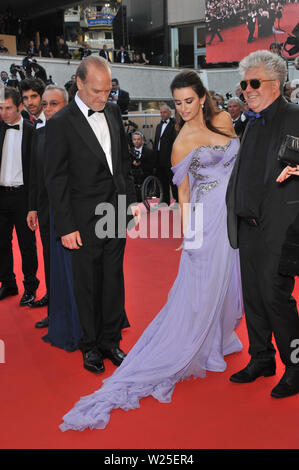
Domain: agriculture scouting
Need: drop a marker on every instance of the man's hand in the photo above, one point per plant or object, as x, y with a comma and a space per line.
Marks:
136, 214
72, 241
287, 172
32, 220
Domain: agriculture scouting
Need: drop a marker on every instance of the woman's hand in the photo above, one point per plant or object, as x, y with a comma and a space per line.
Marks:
287, 172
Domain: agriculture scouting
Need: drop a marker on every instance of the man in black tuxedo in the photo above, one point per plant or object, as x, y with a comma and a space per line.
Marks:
235, 108
143, 161
260, 211
122, 56
119, 96
104, 53
53, 99
88, 167
15, 144
164, 138
32, 90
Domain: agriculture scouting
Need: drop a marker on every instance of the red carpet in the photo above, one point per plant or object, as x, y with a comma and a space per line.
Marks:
234, 46
40, 383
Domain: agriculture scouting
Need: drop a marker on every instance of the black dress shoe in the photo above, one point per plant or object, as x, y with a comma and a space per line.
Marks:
43, 302
44, 323
115, 354
93, 362
288, 385
255, 369
27, 298
7, 291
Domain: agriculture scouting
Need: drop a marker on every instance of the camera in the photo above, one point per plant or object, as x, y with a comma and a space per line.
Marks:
134, 154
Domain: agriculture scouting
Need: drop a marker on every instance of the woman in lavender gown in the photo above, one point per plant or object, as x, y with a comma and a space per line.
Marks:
195, 329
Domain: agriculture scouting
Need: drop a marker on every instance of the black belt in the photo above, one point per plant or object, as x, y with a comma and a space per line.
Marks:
11, 188
250, 221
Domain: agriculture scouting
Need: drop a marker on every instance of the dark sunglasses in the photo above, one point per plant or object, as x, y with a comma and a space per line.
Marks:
255, 83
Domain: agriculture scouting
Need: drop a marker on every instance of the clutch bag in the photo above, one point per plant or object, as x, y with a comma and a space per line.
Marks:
289, 151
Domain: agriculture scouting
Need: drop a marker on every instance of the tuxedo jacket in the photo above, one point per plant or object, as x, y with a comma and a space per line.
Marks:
123, 101
28, 130
163, 156
280, 204
102, 54
38, 196
126, 57
78, 177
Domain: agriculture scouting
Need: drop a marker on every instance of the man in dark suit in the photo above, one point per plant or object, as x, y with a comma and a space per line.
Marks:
119, 96
235, 108
260, 211
32, 90
143, 161
53, 99
164, 139
104, 53
15, 144
122, 56
88, 168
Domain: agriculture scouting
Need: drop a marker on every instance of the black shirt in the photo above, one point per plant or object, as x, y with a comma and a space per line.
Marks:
252, 168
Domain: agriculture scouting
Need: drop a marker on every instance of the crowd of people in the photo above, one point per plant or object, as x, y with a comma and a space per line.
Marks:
65, 161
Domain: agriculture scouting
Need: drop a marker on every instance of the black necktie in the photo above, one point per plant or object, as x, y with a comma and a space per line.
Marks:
7, 126
91, 112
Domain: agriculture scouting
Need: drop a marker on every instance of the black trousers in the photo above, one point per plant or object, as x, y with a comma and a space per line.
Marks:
13, 213
99, 292
165, 175
269, 305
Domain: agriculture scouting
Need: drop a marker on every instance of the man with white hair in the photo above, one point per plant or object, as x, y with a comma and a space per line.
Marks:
235, 108
54, 98
259, 213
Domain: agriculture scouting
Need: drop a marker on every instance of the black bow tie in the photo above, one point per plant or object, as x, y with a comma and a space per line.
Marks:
7, 126
91, 112
38, 121
164, 122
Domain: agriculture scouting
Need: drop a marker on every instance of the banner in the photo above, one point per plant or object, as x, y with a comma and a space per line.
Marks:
234, 28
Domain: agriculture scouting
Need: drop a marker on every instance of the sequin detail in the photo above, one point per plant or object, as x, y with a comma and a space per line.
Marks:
204, 188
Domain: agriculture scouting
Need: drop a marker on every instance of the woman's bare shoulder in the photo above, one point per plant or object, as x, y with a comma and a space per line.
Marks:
178, 150
223, 121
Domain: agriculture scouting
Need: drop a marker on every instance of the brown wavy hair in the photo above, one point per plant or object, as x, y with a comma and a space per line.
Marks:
189, 78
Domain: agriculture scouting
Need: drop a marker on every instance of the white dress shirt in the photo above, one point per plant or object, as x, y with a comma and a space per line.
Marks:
98, 123
11, 171
43, 119
162, 131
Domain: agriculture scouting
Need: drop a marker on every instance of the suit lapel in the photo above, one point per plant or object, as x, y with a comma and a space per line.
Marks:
2, 135
83, 128
113, 136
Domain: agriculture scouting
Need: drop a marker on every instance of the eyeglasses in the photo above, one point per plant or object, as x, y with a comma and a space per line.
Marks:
255, 83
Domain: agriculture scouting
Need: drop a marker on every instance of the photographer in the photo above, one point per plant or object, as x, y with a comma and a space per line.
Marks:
142, 161
14, 70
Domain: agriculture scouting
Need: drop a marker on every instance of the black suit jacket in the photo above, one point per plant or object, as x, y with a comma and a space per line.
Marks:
78, 177
102, 54
163, 156
126, 57
281, 201
28, 130
38, 196
123, 101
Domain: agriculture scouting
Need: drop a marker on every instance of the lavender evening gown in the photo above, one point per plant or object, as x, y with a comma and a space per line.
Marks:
195, 328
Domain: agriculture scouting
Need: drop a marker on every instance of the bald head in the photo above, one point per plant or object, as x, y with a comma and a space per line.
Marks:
92, 63
94, 82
